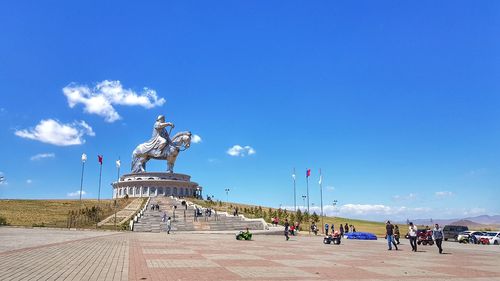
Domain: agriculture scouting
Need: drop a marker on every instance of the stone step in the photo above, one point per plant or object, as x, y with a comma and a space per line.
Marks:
185, 219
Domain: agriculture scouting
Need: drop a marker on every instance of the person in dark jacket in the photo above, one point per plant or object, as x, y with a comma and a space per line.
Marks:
287, 227
396, 233
389, 235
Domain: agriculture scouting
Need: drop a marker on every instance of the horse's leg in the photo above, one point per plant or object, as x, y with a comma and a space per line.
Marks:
171, 160
143, 166
136, 164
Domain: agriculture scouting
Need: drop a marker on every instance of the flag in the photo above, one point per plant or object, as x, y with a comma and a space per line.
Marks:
118, 163
320, 179
308, 173
99, 158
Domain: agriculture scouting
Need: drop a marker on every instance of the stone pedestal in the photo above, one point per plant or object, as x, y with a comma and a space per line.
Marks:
155, 184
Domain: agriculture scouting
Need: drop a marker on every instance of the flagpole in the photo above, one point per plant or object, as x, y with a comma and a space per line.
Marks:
100, 173
321, 194
308, 212
118, 164
294, 192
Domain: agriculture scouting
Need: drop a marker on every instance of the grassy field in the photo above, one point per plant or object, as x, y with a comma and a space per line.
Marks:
51, 213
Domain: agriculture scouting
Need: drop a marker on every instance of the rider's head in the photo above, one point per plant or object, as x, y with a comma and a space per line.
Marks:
160, 118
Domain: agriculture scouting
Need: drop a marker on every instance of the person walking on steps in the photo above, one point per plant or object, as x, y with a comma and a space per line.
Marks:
412, 235
287, 226
389, 235
437, 236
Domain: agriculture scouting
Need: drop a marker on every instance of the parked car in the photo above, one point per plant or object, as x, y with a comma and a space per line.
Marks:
452, 231
491, 238
464, 237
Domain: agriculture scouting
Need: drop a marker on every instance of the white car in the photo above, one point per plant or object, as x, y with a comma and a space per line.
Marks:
466, 234
493, 237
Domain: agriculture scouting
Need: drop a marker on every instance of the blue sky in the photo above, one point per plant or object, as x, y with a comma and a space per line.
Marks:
396, 102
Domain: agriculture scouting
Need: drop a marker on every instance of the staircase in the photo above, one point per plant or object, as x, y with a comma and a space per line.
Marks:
123, 215
183, 219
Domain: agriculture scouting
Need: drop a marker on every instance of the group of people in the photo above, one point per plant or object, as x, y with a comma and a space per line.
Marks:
155, 207
392, 235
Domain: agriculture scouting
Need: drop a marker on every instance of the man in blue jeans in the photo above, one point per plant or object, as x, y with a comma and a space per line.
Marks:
389, 234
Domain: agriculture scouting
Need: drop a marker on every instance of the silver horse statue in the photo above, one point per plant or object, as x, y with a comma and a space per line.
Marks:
142, 153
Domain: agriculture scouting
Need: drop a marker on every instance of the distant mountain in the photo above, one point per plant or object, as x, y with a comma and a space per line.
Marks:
485, 219
474, 221
468, 223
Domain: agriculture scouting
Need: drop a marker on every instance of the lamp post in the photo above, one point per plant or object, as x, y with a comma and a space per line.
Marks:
304, 200
227, 198
198, 193
334, 204
321, 193
84, 158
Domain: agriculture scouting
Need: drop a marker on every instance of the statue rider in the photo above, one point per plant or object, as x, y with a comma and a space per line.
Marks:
160, 137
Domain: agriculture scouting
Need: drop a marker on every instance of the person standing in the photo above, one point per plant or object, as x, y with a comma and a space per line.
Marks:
287, 226
389, 235
169, 225
346, 228
412, 233
341, 230
326, 229
437, 236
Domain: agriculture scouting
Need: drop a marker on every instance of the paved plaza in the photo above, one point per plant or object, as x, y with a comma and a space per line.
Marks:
48, 254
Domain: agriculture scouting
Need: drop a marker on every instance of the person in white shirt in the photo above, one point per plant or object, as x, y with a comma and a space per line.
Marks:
412, 233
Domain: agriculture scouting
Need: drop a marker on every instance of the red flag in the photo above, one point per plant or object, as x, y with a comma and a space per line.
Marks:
99, 157
308, 173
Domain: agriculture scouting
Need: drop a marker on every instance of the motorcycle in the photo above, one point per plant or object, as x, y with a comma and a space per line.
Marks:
335, 238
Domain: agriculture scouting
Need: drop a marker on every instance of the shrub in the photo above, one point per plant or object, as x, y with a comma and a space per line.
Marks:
3, 221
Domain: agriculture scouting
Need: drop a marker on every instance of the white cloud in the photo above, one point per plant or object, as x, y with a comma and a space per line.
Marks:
213, 160
101, 99
29, 181
195, 139
53, 132
41, 156
409, 197
381, 212
76, 193
363, 209
443, 194
238, 150
474, 211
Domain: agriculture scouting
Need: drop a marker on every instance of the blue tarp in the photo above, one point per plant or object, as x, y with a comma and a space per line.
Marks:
360, 235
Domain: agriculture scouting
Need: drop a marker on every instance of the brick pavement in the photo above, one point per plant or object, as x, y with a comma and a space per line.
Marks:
182, 256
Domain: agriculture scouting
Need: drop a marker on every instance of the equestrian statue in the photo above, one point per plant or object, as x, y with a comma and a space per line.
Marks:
160, 146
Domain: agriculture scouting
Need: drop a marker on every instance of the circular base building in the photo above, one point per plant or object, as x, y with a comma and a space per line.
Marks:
155, 184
